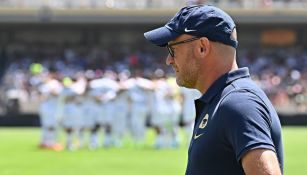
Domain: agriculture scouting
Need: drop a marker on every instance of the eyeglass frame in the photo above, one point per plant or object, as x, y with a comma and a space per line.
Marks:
171, 51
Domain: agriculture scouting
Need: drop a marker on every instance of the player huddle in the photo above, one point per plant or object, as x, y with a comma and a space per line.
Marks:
111, 107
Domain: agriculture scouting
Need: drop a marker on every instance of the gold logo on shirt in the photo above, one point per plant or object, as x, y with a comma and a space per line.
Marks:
204, 122
202, 125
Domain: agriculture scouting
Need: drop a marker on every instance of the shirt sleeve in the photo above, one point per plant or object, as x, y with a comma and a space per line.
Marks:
247, 123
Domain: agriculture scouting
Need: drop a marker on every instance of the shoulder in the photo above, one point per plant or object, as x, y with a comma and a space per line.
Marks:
245, 102
243, 111
246, 121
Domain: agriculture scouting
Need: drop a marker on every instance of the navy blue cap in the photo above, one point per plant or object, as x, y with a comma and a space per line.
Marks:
198, 20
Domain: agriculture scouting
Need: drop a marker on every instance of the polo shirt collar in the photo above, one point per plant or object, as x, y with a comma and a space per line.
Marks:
222, 81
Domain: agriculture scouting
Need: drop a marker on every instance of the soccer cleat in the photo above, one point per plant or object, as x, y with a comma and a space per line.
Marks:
57, 147
43, 146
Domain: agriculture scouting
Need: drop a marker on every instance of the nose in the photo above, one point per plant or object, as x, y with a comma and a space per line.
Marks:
169, 60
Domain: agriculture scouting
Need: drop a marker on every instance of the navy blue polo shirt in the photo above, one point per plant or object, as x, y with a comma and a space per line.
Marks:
232, 117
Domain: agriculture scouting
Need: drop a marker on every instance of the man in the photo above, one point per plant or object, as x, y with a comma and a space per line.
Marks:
188, 110
49, 112
49, 120
89, 114
160, 110
119, 124
237, 130
137, 97
174, 112
71, 115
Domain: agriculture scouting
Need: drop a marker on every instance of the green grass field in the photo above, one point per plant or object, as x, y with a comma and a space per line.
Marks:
19, 155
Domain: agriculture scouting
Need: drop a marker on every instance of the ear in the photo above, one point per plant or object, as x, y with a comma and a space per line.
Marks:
204, 46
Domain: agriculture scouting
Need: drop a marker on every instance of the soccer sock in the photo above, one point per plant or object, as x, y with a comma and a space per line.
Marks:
93, 140
55, 135
188, 130
140, 135
116, 140
69, 140
107, 140
81, 138
49, 141
175, 137
165, 137
52, 137
159, 141
161, 138
44, 136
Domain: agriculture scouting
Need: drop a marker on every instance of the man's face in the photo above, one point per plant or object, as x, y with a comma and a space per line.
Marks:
184, 62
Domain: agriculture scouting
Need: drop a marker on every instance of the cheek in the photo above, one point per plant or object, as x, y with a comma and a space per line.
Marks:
181, 56
191, 64
183, 59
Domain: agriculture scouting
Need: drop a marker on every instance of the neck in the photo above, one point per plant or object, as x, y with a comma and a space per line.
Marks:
211, 75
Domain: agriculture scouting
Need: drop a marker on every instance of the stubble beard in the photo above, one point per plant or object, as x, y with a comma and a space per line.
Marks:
187, 77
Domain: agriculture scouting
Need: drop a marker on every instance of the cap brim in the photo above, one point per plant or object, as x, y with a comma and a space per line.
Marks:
161, 36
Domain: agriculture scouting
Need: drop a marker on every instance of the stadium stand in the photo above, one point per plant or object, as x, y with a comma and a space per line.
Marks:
145, 4
73, 36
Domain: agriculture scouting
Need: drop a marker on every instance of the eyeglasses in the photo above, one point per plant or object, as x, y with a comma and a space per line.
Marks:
170, 49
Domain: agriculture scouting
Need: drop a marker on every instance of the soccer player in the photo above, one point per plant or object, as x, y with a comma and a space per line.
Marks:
108, 88
237, 130
173, 98
138, 98
94, 116
119, 123
160, 113
109, 107
49, 120
188, 110
49, 112
71, 118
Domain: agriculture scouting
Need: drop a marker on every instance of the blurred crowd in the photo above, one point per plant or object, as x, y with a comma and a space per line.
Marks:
281, 73
141, 4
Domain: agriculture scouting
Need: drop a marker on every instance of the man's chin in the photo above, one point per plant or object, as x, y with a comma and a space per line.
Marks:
179, 83
183, 84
